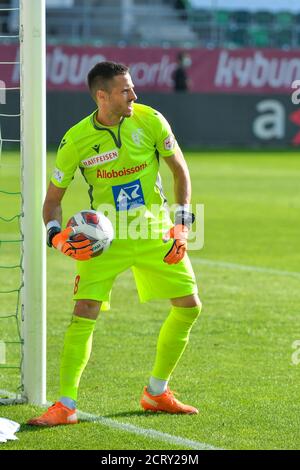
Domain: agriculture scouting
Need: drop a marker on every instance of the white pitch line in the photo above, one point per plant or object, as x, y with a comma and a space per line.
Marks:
149, 433
243, 267
130, 428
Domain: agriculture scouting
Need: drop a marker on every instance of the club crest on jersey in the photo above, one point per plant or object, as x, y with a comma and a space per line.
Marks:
137, 137
169, 142
100, 159
128, 196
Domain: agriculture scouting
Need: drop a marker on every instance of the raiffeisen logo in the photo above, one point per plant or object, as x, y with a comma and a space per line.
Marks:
100, 159
123, 172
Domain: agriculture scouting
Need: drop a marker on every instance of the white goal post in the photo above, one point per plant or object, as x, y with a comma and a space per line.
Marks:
33, 155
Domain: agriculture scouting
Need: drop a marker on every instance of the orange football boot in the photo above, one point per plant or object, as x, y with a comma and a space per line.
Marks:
56, 415
165, 402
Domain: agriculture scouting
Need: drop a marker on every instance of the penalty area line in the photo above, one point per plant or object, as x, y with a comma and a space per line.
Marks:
145, 432
243, 267
149, 433
132, 429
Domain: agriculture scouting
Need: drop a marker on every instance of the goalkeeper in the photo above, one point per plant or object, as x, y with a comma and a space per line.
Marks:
117, 149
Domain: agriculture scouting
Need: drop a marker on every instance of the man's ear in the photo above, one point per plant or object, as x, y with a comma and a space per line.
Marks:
101, 96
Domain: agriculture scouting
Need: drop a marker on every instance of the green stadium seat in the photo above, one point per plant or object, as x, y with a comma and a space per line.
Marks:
202, 23
241, 17
263, 17
198, 18
222, 18
237, 37
202, 16
284, 19
284, 38
259, 36
221, 25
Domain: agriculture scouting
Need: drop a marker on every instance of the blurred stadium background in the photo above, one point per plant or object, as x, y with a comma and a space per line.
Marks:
242, 60
238, 127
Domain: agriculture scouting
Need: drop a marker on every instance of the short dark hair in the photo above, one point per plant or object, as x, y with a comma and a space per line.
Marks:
102, 73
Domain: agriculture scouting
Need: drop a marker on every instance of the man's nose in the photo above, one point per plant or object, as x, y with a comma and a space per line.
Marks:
133, 96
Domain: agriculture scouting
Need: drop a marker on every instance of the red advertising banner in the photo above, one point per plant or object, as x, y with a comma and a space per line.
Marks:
246, 71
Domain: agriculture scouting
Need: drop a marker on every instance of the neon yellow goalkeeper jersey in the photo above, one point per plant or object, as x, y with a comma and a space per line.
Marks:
119, 163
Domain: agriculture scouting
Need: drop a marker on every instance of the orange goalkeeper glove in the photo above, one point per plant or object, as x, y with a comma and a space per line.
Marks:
179, 247
80, 250
183, 221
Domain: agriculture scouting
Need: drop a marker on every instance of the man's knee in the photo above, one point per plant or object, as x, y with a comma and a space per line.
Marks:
87, 308
186, 309
192, 300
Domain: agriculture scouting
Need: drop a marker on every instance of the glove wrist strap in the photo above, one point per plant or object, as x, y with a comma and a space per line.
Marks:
53, 227
184, 217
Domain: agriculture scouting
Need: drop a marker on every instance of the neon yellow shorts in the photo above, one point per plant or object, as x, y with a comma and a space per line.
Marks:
154, 278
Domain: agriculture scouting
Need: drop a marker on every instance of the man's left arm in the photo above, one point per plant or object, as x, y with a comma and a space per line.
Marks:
183, 217
181, 175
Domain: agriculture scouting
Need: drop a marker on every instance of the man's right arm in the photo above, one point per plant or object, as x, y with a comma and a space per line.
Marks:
52, 205
52, 211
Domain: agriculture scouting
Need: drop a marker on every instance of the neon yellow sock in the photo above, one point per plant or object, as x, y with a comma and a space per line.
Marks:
173, 339
75, 355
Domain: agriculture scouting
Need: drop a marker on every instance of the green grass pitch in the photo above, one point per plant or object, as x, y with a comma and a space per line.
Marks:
238, 366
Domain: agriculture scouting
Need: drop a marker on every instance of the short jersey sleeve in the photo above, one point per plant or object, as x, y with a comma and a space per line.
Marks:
165, 139
66, 163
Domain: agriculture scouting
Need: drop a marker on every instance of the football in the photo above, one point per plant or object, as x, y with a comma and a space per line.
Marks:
94, 226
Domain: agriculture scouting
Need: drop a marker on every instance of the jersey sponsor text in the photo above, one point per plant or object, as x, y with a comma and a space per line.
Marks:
123, 172
100, 159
